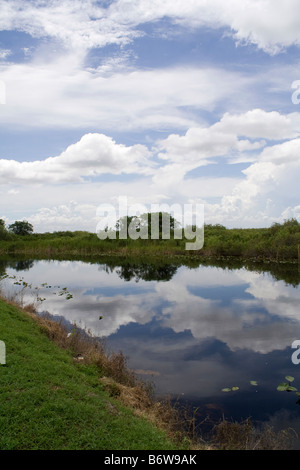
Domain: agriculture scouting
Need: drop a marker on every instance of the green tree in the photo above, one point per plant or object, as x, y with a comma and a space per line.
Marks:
3, 232
21, 227
163, 223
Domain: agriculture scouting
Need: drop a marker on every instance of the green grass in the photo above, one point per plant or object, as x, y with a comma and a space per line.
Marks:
50, 402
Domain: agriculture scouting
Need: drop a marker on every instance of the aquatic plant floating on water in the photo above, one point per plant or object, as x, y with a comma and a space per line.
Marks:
232, 389
19, 281
286, 386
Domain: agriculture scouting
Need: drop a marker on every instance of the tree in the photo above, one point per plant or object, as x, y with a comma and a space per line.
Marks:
3, 232
160, 223
21, 227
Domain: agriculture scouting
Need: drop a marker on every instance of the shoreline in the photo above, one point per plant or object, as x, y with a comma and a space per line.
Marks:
119, 388
108, 387
135, 254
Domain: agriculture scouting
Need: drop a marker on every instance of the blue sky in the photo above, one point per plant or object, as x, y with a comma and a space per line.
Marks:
162, 102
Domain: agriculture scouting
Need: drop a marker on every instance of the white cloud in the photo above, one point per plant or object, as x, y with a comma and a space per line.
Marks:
83, 24
78, 24
4, 53
269, 24
60, 90
238, 326
282, 153
97, 154
68, 216
93, 155
268, 193
258, 123
267, 190
63, 94
229, 138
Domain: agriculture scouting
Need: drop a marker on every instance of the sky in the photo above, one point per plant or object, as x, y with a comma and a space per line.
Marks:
161, 102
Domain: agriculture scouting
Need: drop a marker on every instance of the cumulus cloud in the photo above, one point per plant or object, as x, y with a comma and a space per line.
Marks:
267, 189
286, 152
228, 137
268, 193
232, 136
93, 155
258, 123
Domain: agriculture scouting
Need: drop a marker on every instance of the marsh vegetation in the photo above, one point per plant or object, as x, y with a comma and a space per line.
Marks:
279, 242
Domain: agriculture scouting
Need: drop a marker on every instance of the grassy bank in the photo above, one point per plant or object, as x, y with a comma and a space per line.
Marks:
278, 242
52, 400
62, 391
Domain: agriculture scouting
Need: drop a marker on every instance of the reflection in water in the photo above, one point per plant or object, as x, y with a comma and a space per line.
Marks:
146, 272
193, 331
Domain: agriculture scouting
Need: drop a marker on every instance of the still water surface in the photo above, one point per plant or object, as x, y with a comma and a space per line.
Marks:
191, 331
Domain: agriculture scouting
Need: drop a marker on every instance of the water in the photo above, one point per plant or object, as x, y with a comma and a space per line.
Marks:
191, 331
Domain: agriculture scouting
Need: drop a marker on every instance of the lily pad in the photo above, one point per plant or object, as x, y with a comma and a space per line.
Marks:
253, 382
289, 378
235, 388
226, 389
286, 387
282, 387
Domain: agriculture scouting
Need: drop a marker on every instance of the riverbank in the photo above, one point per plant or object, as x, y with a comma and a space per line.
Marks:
61, 390
53, 398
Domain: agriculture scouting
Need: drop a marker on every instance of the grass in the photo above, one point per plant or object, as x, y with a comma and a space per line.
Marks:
51, 400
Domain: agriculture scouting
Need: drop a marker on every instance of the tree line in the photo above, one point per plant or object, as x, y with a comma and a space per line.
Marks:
19, 227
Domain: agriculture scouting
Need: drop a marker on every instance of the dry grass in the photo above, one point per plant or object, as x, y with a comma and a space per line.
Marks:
245, 436
87, 349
